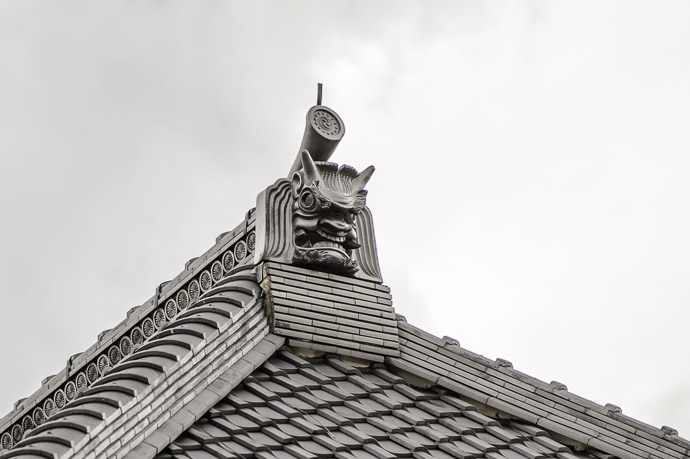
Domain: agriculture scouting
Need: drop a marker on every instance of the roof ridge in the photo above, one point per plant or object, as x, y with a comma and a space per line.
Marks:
485, 379
158, 379
229, 254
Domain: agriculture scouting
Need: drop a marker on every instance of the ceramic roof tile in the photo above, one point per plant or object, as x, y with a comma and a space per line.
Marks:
456, 451
423, 440
282, 408
299, 405
295, 432
299, 452
398, 422
329, 371
357, 417
310, 399
434, 454
340, 391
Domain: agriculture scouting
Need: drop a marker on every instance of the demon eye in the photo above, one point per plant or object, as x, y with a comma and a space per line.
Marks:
307, 200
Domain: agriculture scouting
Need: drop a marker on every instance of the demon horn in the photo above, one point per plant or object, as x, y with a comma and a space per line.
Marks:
360, 181
310, 170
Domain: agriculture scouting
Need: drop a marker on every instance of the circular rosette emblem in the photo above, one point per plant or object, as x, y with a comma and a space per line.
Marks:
325, 123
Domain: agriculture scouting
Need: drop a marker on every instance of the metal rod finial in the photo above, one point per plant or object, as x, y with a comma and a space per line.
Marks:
319, 93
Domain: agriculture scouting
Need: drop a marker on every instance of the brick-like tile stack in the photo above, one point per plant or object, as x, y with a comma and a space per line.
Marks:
293, 408
332, 313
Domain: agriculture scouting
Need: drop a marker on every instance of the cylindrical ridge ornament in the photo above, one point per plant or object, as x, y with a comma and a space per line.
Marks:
322, 134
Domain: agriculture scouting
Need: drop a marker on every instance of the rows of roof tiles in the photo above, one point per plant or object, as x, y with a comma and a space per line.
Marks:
83, 370
551, 406
294, 408
443, 361
332, 313
158, 379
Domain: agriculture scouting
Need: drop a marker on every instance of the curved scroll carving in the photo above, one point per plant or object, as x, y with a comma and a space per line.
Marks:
366, 255
274, 215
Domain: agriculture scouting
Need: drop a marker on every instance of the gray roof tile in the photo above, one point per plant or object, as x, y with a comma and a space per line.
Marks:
310, 399
295, 432
344, 439
338, 392
330, 371
528, 452
478, 443
460, 425
378, 451
244, 399
299, 405
278, 435
315, 448
236, 448
384, 425
306, 426
432, 454
396, 421
421, 439
242, 422
257, 417
414, 415
327, 397
299, 452
282, 408
437, 432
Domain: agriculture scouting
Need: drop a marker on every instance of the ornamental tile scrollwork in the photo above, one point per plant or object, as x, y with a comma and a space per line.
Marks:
6, 441
137, 337
126, 345
205, 281
114, 356
194, 291
148, 328
158, 322
70, 393
182, 300
60, 399
39, 416
92, 373
170, 309
228, 261
103, 364
240, 251
251, 241
217, 271
27, 423
81, 382
49, 407
17, 433
133, 338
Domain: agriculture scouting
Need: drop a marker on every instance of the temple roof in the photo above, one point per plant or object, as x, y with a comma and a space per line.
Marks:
281, 340
219, 378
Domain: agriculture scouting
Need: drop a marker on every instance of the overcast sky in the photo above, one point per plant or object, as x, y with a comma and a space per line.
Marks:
532, 186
